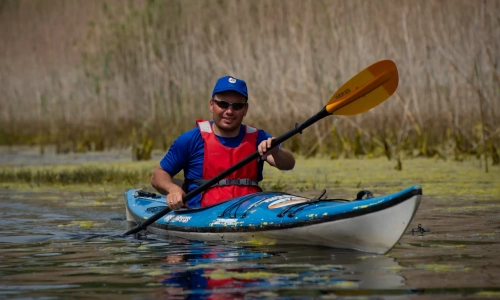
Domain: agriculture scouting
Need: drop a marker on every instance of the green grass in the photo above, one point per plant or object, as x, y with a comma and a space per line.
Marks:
90, 174
345, 177
440, 179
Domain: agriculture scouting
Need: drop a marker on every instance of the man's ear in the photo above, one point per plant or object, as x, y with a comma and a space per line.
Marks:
246, 110
211, 105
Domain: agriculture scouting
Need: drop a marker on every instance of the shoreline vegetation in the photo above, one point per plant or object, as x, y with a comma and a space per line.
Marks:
136, 74
341, 178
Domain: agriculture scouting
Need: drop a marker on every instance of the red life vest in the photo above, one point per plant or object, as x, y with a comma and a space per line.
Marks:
218, 158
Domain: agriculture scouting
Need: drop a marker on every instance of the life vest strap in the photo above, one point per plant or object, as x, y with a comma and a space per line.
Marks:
225, 182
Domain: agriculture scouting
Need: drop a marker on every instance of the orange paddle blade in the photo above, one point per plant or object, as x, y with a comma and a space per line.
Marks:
366, 90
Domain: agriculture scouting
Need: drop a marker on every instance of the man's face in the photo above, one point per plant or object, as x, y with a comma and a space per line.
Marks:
228, 118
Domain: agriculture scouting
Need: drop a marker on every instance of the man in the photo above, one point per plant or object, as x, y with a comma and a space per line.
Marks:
213, 147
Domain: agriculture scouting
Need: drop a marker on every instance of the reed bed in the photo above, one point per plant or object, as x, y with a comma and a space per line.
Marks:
90, 173
94, 75
341, 178
85, 175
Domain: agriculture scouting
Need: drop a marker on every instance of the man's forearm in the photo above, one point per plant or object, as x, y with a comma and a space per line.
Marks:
284, 160
162, 181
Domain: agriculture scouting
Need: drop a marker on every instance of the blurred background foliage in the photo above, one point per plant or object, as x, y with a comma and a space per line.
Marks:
91, 75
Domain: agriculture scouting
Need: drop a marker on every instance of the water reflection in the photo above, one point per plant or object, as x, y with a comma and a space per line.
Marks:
215, 271
179, 268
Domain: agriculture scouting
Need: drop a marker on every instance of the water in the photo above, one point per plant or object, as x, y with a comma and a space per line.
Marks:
66, 242
59, 245
51, 249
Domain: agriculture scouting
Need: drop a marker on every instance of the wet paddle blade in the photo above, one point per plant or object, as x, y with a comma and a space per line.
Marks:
366, 90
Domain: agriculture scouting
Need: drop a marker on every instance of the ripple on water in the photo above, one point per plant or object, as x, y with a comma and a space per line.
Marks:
25, 238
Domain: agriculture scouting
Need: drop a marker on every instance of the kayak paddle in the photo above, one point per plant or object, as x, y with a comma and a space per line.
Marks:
361, 93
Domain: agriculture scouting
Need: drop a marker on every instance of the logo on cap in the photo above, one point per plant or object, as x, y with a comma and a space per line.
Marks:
232, 80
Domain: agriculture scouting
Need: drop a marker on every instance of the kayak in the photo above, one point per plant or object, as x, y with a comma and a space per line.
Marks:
368, 224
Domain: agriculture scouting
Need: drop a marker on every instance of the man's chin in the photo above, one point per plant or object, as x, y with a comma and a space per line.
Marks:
231, 123
228, 126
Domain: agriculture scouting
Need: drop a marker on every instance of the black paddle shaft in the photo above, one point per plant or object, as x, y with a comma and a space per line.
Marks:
298, 129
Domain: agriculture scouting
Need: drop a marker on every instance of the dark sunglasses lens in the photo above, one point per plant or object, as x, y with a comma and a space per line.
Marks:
225, 105
222, 104
238, 106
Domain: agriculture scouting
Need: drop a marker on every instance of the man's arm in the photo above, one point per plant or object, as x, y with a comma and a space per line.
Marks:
282, 159
277, 157
163, 183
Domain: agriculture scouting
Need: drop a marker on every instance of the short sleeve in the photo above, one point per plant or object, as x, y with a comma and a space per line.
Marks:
177, 156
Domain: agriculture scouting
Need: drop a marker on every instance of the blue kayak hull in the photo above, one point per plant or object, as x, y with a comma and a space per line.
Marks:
370, 225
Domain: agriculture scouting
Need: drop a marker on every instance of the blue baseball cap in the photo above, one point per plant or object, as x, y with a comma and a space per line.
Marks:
230, 83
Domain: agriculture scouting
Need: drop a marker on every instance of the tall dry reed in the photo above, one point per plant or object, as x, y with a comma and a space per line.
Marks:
99, 74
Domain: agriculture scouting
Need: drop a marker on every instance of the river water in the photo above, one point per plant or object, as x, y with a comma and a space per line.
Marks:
66, 243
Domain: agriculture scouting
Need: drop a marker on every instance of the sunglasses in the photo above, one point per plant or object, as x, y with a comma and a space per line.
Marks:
225, 105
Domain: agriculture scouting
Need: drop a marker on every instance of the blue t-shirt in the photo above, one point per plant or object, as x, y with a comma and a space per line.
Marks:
186, 153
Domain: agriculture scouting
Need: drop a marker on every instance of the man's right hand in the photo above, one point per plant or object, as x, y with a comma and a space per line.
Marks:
163, 183
174, 198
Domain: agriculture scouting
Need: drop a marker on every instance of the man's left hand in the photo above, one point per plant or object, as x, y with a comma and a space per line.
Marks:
264, 148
